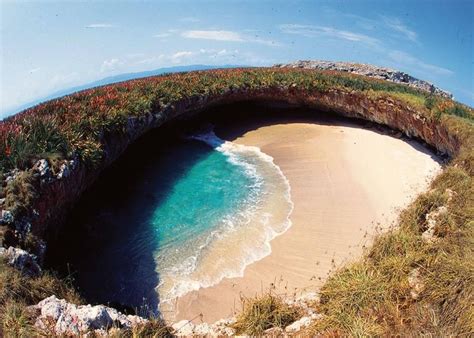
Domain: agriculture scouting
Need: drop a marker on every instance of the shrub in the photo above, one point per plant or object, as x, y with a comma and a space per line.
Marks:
262, 313
17, 288
16, 321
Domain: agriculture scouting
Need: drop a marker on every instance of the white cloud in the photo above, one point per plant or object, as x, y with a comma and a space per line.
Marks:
200, 56
109, 65
99, 25
409, 60
213, 35
178, 56
219, 53
398, 26
203, 54
223, 35
324, 31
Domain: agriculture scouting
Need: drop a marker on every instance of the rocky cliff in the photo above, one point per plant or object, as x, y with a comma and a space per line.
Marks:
376, 72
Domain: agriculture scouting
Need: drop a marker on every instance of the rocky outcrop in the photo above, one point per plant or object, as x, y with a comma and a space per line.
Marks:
416, 283
58, 317
53, 316
186, 328
306, 303
223, 327
370, 71
6, 216
431, 221
21, 260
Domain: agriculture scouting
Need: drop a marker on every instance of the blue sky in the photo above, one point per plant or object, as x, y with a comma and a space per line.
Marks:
48, 46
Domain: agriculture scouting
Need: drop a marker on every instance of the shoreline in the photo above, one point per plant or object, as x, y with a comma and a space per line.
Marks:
257, 221
302, 258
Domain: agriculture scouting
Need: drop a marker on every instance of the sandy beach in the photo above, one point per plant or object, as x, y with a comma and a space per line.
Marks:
346, 182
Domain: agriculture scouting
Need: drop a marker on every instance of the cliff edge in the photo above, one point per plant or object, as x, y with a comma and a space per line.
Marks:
376, 72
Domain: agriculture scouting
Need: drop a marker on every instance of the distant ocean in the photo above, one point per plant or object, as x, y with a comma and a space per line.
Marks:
201, 212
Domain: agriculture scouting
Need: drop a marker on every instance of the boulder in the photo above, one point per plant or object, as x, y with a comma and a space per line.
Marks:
21, 260
6, 217
42, 167
183, 328
299, 325
66, 168
222, 327
186, 328
416, 283
431, 220
274, 332
58, 317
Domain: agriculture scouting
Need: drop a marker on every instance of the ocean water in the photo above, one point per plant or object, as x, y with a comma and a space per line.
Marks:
197, 213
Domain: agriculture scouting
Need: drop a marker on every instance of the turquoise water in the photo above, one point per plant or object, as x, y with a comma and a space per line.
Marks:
170, 220
212, 189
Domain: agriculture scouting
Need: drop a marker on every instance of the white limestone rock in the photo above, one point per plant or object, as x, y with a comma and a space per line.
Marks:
183, 328
57, 316
431, 220
21, 260
42, 167
416, 283
299, 325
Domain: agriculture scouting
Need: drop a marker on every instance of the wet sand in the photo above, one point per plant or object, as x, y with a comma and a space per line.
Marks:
347, 183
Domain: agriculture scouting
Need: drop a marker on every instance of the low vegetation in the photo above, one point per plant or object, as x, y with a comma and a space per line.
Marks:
77, 124
264, 312
375, 296
17, 291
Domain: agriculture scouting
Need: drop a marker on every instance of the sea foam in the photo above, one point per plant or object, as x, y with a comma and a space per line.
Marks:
243, 236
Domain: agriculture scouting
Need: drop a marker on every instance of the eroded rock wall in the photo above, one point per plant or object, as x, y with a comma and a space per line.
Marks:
58, 193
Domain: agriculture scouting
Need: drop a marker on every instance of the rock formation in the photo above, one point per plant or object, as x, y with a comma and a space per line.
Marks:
57, 317
370, 71
21, 260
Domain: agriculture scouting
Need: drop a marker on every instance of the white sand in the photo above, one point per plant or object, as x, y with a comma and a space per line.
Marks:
345, 183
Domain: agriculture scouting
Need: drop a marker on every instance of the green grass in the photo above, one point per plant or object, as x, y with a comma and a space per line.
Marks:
264, 312
153, 328
375, 291
368, 298
16, 321
18, 291
77, 124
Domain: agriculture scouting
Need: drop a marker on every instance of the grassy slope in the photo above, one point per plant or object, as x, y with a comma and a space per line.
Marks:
76, 123
373, 296
370, 297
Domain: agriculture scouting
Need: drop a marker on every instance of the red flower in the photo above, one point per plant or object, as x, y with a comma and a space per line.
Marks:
8, 151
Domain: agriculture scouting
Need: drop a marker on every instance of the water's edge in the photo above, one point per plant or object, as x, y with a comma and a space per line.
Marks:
271, 227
